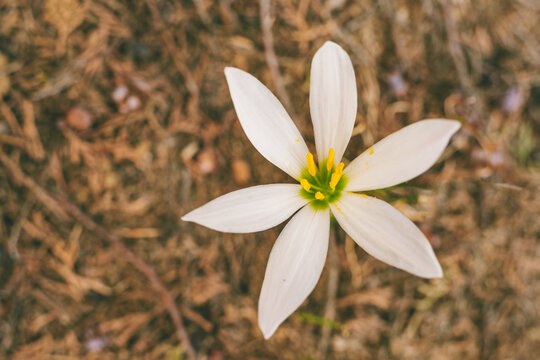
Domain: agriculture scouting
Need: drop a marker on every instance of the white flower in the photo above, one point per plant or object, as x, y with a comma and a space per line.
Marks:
298, 256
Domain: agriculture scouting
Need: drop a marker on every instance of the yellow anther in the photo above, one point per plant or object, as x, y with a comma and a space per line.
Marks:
363, 195
334, 180
305, 184
319, 195
370, 151
336, 176
311, 168
339, 168
330, 161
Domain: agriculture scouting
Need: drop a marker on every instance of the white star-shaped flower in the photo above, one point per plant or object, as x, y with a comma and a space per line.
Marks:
299, 254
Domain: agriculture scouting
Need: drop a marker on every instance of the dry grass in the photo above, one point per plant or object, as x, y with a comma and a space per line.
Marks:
115, 120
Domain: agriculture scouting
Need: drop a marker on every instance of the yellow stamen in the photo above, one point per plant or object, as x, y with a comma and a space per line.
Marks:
336, 176
334, 180
330, 161
312, 169
305, 184
319, 195
339, 168
370, 151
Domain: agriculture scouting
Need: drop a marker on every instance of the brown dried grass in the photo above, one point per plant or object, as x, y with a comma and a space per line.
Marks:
136, 163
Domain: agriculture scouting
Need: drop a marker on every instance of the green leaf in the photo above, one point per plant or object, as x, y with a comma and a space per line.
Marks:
319, 320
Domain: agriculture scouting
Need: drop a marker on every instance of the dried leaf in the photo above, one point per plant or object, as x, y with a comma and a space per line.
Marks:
66, 16
241, 171
34, 146
5, 83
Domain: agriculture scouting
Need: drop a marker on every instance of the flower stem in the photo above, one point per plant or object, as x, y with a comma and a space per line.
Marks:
333, 282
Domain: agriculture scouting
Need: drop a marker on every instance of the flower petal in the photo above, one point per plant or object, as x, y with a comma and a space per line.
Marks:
266, 123
400, 156
332, 99
294, 267
251, 209
386, 234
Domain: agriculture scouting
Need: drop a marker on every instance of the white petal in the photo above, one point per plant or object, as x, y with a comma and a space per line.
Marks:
400, 156
251, 209
386, 234
294, 267
332, 99
266, 123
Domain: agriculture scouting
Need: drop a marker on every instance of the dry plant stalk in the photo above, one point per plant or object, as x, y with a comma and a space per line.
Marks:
61, 207
270, 54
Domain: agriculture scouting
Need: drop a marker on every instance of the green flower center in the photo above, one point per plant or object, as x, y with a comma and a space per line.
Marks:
322, 185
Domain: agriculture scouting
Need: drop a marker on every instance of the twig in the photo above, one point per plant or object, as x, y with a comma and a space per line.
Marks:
13, 141
455, 49
16, 230
207, 20
333, 280
61, 207
140, 264
271, 58
460, 61
67, 76
10, 118
170, 46
42, 195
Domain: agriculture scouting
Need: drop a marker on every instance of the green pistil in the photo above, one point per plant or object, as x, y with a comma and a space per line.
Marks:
320, 182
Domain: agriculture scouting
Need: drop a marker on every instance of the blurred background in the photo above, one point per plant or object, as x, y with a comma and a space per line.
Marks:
115, 120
